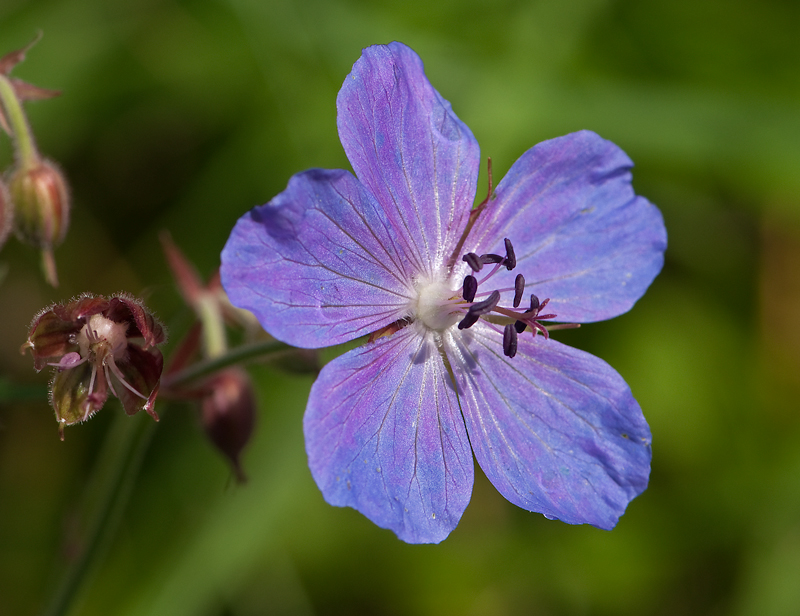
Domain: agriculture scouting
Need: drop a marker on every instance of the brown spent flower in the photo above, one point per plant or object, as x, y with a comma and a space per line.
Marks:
98, 345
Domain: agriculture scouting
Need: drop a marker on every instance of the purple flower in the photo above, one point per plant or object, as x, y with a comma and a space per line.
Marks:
454, 364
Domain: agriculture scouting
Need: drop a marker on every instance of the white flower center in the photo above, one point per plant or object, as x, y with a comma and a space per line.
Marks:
101, 332
435, 307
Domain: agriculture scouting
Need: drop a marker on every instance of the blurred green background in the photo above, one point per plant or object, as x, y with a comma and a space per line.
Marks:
183, 114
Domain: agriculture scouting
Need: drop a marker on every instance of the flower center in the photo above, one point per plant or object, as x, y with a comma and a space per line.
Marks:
103, 342
101, 336
437, 306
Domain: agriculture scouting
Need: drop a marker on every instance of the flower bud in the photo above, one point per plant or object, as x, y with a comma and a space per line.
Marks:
41, 200
6, 213
228, 414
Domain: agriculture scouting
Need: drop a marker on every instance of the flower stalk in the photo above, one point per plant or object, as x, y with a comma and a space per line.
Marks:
267, 349
208, 311
20, 130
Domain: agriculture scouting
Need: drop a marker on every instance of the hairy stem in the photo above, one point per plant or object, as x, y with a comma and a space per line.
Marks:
26, 147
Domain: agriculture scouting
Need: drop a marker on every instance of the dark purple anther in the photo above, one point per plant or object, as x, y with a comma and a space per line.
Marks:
511, 258
519, 287
510, 340
470, 288
491, 258
520, 326
468, 321
473, 260
534, 303
479, 308
487, 305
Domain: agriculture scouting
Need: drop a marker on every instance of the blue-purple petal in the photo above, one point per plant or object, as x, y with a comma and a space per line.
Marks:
384, 435
556, 430
581, 235
318, 265
410, 150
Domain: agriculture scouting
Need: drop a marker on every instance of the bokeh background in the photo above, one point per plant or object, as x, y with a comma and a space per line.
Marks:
183, 114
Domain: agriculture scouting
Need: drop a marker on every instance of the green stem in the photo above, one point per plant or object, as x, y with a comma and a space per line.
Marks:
26, 147
237, 355
208, 311
106, 495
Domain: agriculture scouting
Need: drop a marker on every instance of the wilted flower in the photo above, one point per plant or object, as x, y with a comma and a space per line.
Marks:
96, 345
449, 370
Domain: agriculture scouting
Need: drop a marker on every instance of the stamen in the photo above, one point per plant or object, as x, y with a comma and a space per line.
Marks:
487, 305
519, 289
511, 258
108, 380
517, 320
468, 321
470, 288
89, 397
70, 360
510, 340
118, 373
478, 309
91, 380
492, 272
491, 258
473, 260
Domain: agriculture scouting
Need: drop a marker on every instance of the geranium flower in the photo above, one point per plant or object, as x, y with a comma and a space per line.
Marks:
96, 345
455, 363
